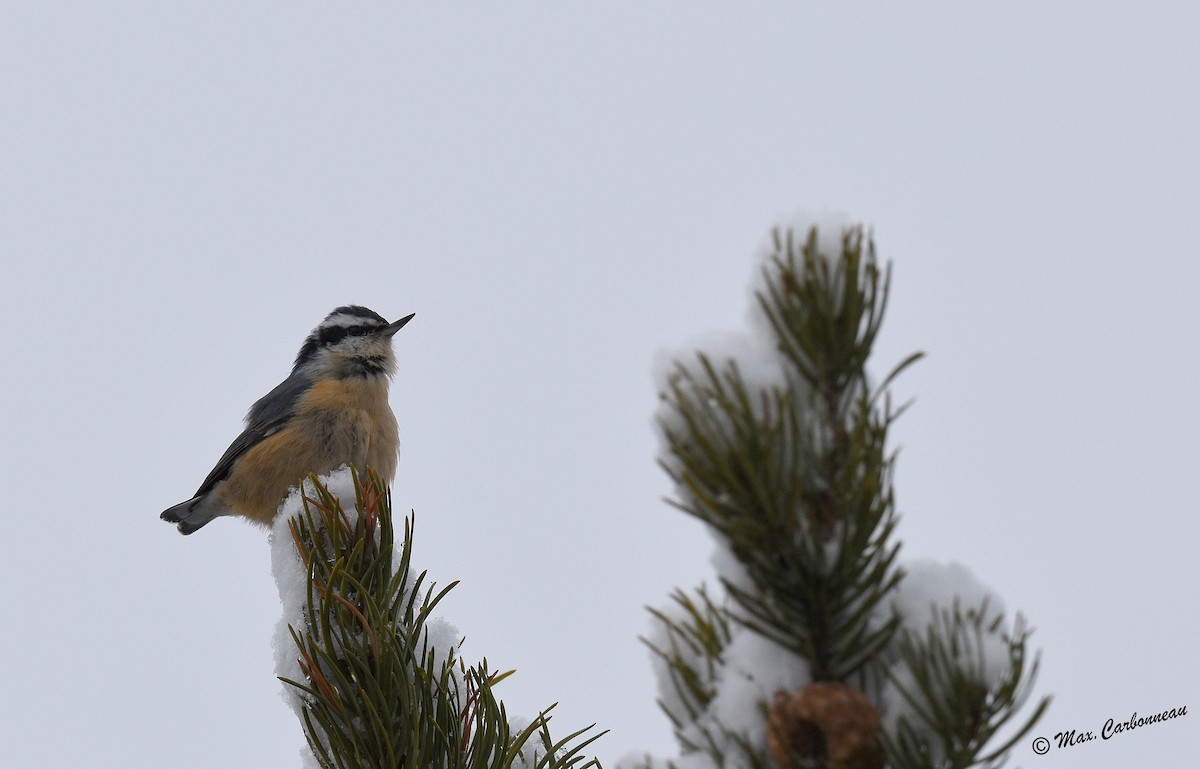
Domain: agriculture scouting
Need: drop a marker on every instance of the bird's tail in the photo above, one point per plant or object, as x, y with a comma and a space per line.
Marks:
193, 514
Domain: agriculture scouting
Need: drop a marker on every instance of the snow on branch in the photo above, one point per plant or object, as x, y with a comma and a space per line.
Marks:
374, 677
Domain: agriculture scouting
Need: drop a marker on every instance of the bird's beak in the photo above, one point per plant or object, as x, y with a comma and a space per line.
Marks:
392, 328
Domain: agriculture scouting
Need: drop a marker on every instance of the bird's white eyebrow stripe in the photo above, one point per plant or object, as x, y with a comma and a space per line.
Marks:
346, 320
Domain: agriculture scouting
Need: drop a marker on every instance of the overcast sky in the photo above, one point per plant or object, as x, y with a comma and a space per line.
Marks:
560, 192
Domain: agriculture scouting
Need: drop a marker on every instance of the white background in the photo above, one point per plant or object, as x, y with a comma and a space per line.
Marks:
559, 192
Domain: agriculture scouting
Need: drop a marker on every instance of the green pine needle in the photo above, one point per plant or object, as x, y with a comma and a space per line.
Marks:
374, 693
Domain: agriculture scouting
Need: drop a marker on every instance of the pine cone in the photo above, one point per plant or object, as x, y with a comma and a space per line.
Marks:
826, 724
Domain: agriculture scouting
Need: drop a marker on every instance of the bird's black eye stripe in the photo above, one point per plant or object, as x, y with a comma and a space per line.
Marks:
332, 335
335, 334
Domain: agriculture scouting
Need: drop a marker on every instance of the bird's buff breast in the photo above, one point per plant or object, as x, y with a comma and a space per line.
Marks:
336, 422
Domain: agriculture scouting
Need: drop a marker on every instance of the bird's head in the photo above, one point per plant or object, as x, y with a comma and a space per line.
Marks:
351, 341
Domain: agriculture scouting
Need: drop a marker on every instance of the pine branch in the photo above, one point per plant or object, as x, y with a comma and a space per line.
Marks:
957, 706
797, 478
697, 632
375, 693
691, 652
794, 474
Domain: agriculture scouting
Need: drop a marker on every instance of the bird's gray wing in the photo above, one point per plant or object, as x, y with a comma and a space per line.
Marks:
265, 418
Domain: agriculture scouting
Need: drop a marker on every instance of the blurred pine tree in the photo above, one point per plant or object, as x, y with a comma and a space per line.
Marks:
787, 462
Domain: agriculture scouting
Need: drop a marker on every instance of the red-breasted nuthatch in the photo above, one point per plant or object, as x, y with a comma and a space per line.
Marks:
332, 410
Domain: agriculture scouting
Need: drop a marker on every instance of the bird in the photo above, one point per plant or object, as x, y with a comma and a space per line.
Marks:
332, 410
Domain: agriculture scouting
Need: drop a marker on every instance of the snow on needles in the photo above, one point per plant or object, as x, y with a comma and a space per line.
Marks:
755, 353
291, 577
758, 364
753, 668
830, 229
